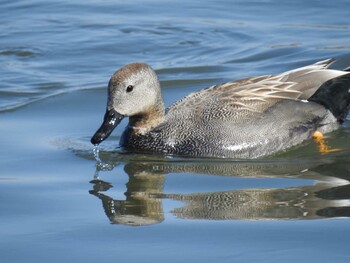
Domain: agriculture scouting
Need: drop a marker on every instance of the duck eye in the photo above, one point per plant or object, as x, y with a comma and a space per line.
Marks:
129, 88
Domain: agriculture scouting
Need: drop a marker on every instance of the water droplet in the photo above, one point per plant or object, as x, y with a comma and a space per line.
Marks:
96, 152
100, 165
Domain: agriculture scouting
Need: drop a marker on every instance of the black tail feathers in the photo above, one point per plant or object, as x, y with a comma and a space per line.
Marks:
334, 95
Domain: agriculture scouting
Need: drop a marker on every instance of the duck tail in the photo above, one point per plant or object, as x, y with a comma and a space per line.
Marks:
334, 95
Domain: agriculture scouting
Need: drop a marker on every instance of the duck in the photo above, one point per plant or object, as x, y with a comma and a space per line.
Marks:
242, 119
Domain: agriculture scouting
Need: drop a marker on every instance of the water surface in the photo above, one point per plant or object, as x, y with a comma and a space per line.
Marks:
60, 205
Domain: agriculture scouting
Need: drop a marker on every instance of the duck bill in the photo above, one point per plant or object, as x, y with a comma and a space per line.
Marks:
110, 121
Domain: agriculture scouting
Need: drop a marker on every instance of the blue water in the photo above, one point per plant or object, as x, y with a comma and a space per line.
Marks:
58, 204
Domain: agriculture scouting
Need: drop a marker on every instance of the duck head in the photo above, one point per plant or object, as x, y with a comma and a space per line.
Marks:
133, 91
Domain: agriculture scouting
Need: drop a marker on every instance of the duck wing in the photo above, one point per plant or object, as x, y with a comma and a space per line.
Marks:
246, 98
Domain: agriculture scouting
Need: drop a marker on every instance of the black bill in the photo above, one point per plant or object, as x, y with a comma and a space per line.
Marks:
110, 121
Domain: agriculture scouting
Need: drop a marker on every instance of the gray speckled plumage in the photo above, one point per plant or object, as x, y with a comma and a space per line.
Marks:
248, 118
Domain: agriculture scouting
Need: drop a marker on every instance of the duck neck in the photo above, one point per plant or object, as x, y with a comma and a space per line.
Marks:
144, 122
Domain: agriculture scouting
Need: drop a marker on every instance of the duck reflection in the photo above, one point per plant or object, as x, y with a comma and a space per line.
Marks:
329, 196
142, 206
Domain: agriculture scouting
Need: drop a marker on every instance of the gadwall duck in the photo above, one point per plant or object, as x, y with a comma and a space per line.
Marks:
248, 118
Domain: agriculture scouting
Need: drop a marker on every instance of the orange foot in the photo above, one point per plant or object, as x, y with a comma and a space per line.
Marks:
322, 145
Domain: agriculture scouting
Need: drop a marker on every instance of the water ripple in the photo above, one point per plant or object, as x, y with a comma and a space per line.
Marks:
17, 52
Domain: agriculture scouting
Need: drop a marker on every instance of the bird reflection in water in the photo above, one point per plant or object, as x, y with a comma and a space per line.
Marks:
328, 197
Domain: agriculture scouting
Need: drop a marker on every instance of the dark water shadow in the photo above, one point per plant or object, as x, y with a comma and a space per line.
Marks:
327, 196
